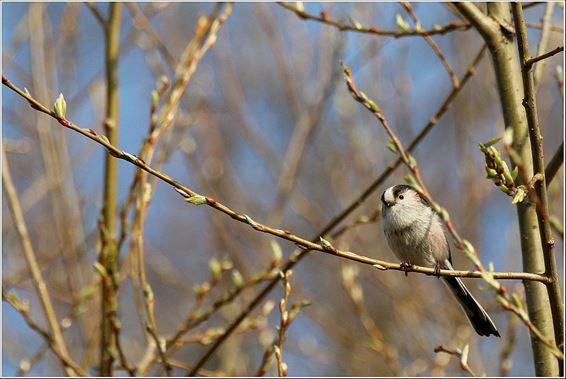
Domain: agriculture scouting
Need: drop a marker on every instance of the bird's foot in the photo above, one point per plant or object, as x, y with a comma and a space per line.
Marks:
437, 270
406, 266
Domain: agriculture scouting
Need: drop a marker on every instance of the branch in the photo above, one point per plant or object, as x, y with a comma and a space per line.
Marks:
108, 257
530, 62
97, 15
433, 45
325, 19
483, 23
461, 354
535, 135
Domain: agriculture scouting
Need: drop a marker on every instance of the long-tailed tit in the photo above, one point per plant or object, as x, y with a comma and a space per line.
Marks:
415, 234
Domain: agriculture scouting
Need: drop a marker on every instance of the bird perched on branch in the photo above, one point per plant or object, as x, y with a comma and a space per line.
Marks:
415, 233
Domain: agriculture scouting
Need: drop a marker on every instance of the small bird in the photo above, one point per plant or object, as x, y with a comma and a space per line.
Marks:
415, 234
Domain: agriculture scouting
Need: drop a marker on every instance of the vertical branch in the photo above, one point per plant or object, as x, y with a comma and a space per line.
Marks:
536, 139
507, 73
29, 254
108, 255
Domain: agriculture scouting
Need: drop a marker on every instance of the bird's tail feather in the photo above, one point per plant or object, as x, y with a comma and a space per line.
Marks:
476, 314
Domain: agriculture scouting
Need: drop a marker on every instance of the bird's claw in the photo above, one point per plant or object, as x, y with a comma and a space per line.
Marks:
406, 266
437, 270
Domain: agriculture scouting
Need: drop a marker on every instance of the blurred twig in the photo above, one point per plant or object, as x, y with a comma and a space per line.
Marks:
141, 22
40, 286
325, 19
409, 8
72, 368
461, 354
505, 362
543, 40
355, 292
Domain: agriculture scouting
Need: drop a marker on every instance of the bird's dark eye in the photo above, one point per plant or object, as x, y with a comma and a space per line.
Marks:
401, 197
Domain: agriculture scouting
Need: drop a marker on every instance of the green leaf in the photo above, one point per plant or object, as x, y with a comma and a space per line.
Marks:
491, 142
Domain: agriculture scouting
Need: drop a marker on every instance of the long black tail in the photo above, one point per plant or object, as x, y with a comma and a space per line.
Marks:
476, 314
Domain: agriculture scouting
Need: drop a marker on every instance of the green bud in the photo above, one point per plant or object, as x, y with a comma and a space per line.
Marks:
491, 173
325, 244
215, 268
391, 146
154, 98
491, 142
559, 70
355, 23
196, 200
412, 161
506, 172
444, 215
401, 23
519, 196
60, 106
237, 279
515, 173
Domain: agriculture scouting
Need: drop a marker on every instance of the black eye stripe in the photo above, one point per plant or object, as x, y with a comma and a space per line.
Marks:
400, 189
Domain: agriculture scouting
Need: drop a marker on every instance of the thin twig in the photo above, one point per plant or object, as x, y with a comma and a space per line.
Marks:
455, 82
543, 40
529, 62
461, 354
141, 22
97, 14
22, 308
30, 257
325, 19
505, 362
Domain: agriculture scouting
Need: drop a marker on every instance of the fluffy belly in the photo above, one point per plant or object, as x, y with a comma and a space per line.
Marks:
411, 248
